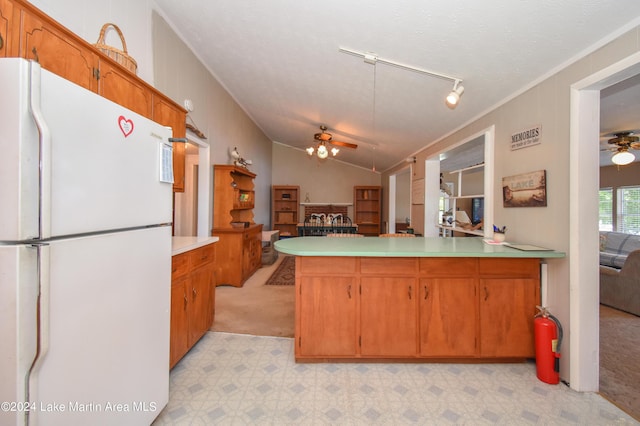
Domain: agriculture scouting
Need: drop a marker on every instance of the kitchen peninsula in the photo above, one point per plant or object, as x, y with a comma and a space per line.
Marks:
413, 299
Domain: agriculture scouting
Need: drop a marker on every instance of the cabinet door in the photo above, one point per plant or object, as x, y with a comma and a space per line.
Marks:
201, 302
328, 316
58, 51
6, 30
507, 308
388, 316
167, 114
448, 317
124, 88
179, 329
252, 252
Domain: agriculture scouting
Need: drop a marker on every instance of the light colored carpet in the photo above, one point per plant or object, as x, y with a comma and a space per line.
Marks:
256, 308
619, 355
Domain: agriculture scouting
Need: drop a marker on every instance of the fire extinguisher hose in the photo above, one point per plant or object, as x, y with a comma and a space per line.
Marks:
556, 366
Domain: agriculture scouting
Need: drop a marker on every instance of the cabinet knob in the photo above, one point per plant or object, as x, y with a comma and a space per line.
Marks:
1, 41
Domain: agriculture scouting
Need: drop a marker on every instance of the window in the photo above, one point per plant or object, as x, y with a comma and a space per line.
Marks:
628, 210
605, 220
619, 209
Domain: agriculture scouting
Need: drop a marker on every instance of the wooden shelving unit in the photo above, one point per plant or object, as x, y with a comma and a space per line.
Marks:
367, 205
240, 246
285, 209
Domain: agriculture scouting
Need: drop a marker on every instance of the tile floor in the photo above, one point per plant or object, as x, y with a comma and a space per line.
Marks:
234, 379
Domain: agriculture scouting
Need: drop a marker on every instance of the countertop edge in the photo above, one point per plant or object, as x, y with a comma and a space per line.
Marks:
181, 245
404, 247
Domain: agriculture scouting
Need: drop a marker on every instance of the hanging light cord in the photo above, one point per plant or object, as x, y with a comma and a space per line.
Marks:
373, 117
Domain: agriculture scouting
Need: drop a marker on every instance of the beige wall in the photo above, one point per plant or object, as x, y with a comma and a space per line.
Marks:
548, 104
325, 181
180, 75
614, 176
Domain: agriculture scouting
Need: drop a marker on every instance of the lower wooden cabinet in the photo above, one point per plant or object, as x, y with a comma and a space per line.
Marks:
331, 327
448, 317
192, 299
415, 308
239, 254
388, 316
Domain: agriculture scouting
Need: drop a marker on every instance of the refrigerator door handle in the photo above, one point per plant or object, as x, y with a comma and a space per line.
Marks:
42, 313
44, 143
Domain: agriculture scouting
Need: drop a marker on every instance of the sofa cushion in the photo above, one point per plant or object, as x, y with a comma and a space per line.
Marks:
615, 246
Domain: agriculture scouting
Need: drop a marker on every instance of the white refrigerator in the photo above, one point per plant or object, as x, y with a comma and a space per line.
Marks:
85, 255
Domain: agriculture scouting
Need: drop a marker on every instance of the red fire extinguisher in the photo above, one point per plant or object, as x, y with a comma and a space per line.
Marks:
548, 337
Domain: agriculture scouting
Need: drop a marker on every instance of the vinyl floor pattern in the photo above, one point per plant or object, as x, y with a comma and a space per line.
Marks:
234, 379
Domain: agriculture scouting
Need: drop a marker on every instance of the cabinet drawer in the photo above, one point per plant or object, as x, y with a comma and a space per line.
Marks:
327, 265
389, 265
448, 266
510, 267
202, 255
179, 265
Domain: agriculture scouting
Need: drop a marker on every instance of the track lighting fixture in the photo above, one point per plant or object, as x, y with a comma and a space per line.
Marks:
371, 58
623, 157
454, 97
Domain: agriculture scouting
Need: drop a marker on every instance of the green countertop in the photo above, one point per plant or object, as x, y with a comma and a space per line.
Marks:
403, 247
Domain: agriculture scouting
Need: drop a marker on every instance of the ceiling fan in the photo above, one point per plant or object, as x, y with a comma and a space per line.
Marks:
323, 138
621, 143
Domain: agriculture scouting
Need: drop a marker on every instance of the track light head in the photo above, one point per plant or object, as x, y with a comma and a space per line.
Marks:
454, 97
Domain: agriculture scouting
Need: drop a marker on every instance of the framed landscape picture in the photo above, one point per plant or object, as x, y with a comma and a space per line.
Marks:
525, 190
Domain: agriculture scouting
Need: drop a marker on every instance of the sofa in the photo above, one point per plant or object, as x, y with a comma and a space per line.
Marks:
620, 271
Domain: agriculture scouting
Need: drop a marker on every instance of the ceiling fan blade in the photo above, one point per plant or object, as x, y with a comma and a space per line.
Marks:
344, 144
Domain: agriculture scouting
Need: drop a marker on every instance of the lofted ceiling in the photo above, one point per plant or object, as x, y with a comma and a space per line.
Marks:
280, 61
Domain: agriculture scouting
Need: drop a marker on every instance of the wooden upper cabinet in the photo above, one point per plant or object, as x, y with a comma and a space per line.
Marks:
167, 113
6, 33
57, 50
124, 88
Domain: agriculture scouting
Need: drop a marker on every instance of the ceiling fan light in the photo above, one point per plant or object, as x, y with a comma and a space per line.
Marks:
310, 150
623, 157
334, 151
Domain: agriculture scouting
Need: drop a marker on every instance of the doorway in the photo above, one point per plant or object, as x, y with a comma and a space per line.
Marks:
583, 210
473, 155
192, 207
400, 200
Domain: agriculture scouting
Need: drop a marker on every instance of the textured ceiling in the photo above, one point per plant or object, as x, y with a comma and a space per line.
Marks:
280, 61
